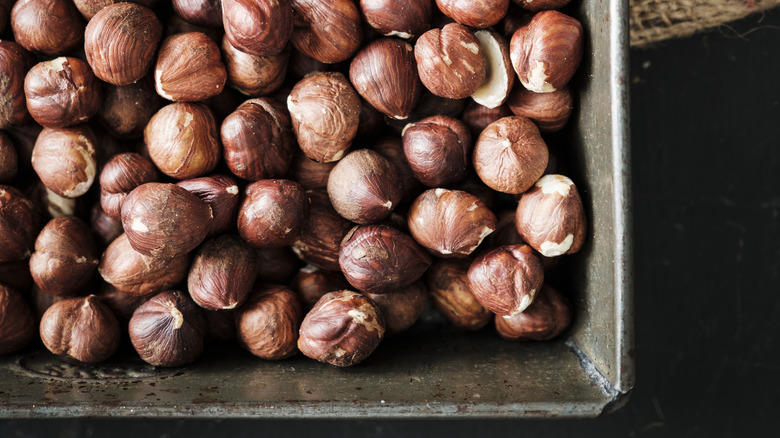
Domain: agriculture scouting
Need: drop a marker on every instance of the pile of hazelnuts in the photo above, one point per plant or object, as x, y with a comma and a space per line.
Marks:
300, 175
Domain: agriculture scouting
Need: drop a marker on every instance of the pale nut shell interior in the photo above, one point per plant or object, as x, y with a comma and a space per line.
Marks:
499, 76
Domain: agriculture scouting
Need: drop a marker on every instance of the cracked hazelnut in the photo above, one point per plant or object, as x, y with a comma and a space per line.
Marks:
206, 13
329, 31
17, 322
474, 13
342, 329
221, 193
450, 61
364, 187
544, 319
168, 330
500, 76
64, 160
437, 149
254, 75
120, 42
550, 111
380, 259
48, 27
127, 109
257, 27
268, 323
309, 173
9, 159
222, 273
189, 68
15, 61
451, 295
82, 328
18, 225
65, 256
450, 223
105, 228
547, 51
311, 283
325, 111
506, 280
401, 308
320, 240
550, 216
405, 19
273, 212
120, 175
276, 265
510, 155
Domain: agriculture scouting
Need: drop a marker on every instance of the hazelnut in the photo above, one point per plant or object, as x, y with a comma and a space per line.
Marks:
474, 13
9, 159
65, 256
500, 77
273, 212
164, 220
183, 141
329, 31
61, 92
18, 225
17, 322
384, 73
206, 13
364, 187
48, 27
168, 330
380, 259
276, 265
133, 273
401, 308
320, 240
405, 19
437, 149
541, 5
222, 273
189, 68
451, 295
506, 280
105, 228
477, 117
546, 52
309, 173
450, 61
14, 64
544, 319
257, 27
123, 173
127, 109
311, 283
342, 329
450, 223
64, 160
16, 275
550, 216
392, 149
325, 111
267, 325
220, 192
220, 325
550, 111
258, 140
510, 155
123, 305
120, 42
82, 328
254, 75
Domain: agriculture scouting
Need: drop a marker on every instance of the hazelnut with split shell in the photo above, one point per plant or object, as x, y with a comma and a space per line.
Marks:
500, 76
82, 328
267, 325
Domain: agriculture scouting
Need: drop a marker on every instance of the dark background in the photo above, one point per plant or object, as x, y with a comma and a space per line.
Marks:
705, 120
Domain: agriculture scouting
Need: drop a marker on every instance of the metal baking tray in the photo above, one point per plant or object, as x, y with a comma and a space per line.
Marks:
427, 372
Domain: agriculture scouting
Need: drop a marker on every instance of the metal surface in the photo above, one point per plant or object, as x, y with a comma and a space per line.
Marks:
425, 373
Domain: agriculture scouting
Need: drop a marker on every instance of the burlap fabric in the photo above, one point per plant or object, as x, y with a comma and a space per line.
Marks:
656, 20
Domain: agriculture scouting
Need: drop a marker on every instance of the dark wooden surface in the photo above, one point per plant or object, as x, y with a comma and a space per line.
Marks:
706, 174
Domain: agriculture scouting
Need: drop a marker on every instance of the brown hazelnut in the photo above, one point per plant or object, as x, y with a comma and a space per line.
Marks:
311, 283
405, 19
258, 140
500, 76
267, 325
221, 193
474, 13
401, 308
122, 174
189, 68
380, 259
437, 149
257, 27
17, 322
364, 187
127, 109
254, 75
164, 220
168, 330
48, 27
65, 256
276, 265
450, 61
309, 173
550, 111
18, 225
14, 64
123, 305
342, 329
220, 325
510, 155
325, 111
222, 273
328, 31
105, 228
477, 117
541, 5
273, 212
64, 160
89, 8
450, 223
183, 141
550, 216
16, 275
82, 328
9, 159
544, 319
384, 73
506, 280
320, 240
120, 42
392, 148
136, 274
61, 92
546, 52
429, 105
450, 294
207, 13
